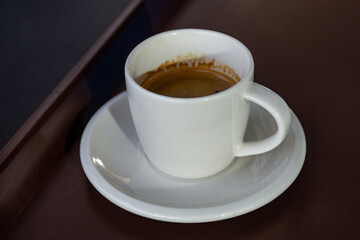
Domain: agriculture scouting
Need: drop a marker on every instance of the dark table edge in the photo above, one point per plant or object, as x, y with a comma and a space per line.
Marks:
52, 118
66, 85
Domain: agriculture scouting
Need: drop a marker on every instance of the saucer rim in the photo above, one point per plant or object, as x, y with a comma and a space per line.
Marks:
191, 215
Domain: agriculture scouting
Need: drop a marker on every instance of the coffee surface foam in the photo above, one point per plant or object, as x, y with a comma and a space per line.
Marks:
190, 78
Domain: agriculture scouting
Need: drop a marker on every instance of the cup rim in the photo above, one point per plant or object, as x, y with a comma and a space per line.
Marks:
245, 80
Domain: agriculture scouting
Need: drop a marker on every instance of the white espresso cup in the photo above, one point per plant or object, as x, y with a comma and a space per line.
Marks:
201, 136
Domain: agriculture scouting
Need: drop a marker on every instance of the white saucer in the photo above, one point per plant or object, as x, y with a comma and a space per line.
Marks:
115, 164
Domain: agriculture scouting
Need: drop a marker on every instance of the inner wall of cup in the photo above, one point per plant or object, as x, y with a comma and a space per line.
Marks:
168, 46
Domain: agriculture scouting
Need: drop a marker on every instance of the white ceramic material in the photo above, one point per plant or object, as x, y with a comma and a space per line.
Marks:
199, 137
116, 165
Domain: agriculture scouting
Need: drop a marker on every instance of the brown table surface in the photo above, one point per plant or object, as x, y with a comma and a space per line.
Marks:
309, 53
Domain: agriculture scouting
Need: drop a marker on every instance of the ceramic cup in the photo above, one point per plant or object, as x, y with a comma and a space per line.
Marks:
198, 137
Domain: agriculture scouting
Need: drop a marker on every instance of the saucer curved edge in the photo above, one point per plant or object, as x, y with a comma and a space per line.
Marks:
140, 201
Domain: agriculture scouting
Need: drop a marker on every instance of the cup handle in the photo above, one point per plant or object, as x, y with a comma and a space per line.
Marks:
277, 107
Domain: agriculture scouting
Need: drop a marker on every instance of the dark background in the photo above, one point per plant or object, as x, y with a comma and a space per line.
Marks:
306, 51
40, 41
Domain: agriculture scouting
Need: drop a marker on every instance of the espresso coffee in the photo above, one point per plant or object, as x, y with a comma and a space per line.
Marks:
185, 80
